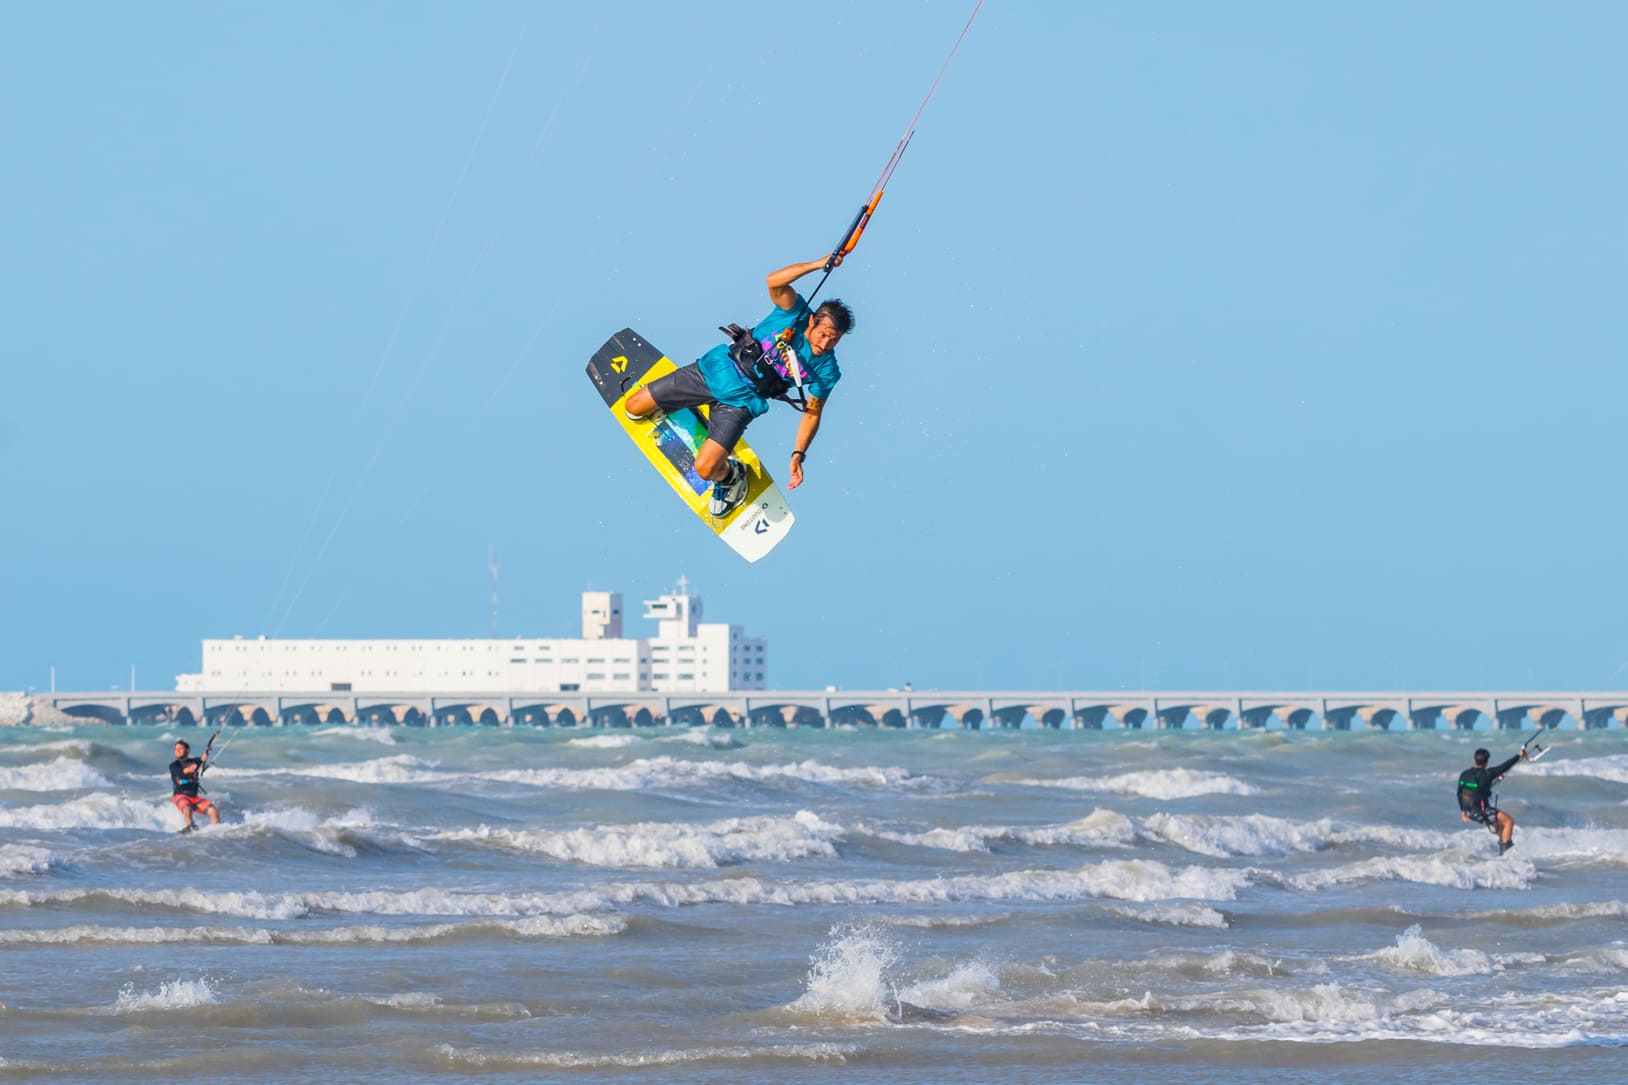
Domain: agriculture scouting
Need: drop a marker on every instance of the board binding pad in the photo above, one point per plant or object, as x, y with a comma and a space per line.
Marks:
754, 527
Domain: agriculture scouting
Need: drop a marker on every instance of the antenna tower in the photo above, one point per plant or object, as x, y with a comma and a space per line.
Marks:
492, 564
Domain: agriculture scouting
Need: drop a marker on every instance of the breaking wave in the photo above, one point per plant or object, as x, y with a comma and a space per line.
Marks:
172, 995
1153, 784
16, 859
1413, 952
60, 774
662, 844
1126, 879
100, 810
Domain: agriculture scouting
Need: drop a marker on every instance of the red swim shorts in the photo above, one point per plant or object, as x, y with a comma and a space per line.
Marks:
184, 803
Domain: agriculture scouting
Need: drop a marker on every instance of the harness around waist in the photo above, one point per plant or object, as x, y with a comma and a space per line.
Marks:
770, 373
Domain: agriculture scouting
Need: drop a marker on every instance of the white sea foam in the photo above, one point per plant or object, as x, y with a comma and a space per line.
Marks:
568, 926
1333, 1014
1133, 880
711, 737
16, 859
1576, 846
1393, 836
847, 975
1250, 834
60, 774
98, 810
1558, 913
851, 977
1174, 915
540, 926
328, 835
1322, 1004
80, 746
569, 1060
966, 985
665, 844
1612, 767
1154, 784
397, 769
1099, 829
295, 819
945, 921
1413, 952
659, 773
604, 742
1237, 963
654, 773
250, 905
384, 736
1452, 870
172, 995
430, 1003
88, 934
1222, 835
1605, 960
968, 839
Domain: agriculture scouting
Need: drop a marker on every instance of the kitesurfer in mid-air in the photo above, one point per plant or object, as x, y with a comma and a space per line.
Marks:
793, 347
1475, 797
184, 772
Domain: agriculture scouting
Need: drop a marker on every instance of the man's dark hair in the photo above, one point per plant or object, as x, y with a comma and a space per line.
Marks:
184, 744
1482, 757
837, 312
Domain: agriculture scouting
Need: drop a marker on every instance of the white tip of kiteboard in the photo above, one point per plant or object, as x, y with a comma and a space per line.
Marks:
758, 528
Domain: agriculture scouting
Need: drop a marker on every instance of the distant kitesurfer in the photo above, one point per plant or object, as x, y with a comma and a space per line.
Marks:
184, 772
1475, 797
791, 348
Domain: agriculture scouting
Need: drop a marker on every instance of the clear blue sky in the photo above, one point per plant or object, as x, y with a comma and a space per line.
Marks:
1242, 346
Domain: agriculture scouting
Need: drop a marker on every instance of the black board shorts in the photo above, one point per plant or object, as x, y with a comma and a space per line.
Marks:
686, 387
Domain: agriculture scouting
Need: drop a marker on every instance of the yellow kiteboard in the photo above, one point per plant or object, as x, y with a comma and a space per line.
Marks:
752, 528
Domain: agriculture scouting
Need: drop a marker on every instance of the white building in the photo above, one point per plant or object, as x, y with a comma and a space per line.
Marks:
684, 656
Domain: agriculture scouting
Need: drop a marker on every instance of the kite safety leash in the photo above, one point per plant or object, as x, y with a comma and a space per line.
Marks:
850, 237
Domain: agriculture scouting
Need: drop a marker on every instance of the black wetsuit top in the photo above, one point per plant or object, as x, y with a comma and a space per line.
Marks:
184, 784
1475, 788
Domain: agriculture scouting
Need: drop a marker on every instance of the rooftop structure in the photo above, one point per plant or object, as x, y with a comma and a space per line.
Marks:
684, 656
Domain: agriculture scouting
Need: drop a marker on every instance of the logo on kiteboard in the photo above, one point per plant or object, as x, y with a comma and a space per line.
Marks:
619, 363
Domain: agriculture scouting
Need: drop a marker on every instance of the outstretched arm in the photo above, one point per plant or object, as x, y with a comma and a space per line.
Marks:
780, 291
806, 429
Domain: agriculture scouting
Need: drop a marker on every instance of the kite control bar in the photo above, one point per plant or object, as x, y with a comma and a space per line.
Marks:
1532, 748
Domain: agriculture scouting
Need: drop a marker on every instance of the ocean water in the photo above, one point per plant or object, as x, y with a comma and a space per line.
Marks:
480, 904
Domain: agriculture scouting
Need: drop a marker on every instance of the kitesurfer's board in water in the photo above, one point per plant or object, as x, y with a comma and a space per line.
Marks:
752, 528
